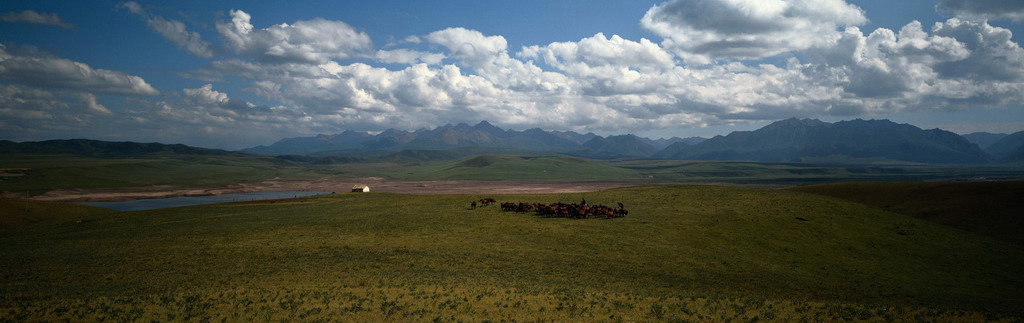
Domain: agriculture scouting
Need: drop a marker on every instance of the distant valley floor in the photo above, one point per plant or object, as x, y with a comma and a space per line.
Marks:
339, 185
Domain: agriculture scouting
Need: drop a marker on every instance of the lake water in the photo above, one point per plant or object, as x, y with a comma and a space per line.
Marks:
149, 204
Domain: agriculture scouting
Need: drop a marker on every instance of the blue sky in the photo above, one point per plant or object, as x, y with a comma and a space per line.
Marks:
234, 74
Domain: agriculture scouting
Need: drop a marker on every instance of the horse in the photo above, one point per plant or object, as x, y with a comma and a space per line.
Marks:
621, 212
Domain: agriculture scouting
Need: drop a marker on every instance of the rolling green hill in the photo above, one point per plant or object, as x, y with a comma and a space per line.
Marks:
700, 253
988, 208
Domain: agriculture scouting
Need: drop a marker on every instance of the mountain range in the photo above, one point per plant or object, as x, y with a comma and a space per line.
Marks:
105, 149
483, 134
809, 140
984, 139
1008, 148
790, 140
786, 140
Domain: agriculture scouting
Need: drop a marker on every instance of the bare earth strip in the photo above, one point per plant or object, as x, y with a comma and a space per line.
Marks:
376, 184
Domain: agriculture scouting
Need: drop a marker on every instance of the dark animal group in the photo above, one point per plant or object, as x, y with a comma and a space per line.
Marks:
483, 202
559, 209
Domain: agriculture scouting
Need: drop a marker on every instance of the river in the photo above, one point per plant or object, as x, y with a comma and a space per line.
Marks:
150, 204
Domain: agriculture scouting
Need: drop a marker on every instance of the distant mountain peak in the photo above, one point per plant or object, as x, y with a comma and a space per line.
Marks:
626, 145
391, 132
791, 139
798, 122
488, 128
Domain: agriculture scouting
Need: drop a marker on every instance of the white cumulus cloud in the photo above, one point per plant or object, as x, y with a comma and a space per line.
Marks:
408, 56
205, 95
313, 41
173, 30
703, 31
38, 69
613, 84
38, 18
984, 9
28, 113
960, 65
470, 46
601, 50
89, 100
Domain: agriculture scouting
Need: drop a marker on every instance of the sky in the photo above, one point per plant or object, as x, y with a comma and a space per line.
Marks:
236, 74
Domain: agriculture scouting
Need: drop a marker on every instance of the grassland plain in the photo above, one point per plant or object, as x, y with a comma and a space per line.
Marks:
685, 252
563, 168
782, 173
31, 175
988, 208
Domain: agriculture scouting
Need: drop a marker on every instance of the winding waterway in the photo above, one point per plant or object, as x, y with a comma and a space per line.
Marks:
150, 204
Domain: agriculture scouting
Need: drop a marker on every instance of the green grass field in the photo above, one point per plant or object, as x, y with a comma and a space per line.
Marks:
804, 173
495, 167
684, 253
988, 208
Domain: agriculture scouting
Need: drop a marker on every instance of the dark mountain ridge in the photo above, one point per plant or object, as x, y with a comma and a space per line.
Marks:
802, 139
1009, 148
625, 145
984, 139
449, 136
790, 140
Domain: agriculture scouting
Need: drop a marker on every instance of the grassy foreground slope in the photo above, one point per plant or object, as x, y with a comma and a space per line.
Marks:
22, 214
988, 208
685, 252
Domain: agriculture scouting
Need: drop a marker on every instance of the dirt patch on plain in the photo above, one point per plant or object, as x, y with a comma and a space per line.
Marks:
376, 184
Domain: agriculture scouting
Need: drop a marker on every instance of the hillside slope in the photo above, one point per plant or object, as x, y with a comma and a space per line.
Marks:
681, 250
987, 208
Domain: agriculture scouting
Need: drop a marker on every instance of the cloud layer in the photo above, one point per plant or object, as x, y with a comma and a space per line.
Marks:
39, 69
305, 41
984, 9
703, 31
173, 31
33, 17
616, 84
707, 68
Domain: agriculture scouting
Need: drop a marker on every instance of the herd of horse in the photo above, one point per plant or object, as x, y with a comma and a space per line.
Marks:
582, 210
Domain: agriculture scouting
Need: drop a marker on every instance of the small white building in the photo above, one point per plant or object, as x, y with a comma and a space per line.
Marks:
360, 188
